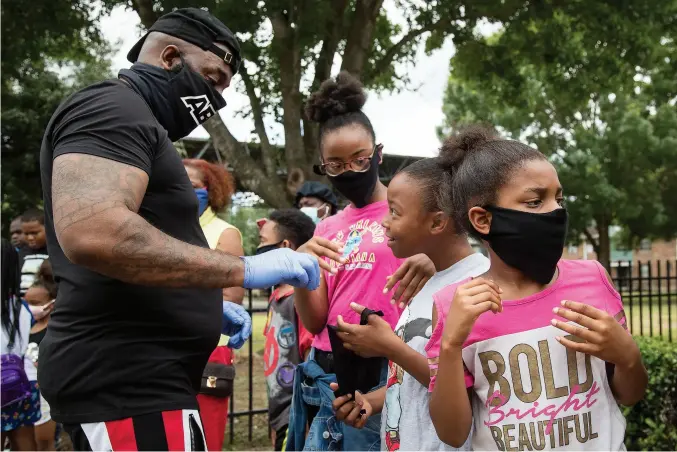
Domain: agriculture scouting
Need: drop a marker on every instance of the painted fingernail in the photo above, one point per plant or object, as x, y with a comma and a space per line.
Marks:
563, 303
555, 310
401, 305
554, 322
350, 396
558, 338
385, 291
363, 412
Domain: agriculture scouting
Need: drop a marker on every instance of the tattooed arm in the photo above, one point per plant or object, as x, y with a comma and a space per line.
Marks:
98, 227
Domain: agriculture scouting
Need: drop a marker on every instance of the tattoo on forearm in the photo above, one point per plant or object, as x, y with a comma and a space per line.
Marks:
96, 199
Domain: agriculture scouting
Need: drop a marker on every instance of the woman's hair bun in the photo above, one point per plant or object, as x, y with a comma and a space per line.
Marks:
468, 139
336, 97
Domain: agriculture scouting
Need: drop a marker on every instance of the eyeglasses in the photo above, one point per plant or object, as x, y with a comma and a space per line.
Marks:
358, 165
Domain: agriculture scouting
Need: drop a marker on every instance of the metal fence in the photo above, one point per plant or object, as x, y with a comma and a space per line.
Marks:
649, 292
648, 289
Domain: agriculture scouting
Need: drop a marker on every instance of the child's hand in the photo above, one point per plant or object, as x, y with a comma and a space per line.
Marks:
370, 340
354, 413
412, 275
602, 336
321, 247
471, 299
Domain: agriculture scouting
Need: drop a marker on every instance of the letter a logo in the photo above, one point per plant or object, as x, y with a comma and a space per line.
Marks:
200, 108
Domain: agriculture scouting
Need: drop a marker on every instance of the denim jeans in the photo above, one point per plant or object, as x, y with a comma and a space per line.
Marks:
311, 387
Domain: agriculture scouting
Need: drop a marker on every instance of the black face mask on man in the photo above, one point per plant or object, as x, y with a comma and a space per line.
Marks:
181, 99
358, 187
530, 242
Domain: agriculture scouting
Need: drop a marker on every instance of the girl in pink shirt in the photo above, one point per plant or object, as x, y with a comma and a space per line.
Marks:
352, 249
538, 342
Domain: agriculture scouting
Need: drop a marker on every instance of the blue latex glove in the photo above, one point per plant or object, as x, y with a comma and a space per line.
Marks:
281, 266
236, 323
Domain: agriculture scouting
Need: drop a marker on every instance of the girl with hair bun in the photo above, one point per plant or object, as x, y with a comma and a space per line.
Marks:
539, 343
352, 249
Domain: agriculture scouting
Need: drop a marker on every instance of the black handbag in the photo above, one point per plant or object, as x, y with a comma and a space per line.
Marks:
354, 373
217, 380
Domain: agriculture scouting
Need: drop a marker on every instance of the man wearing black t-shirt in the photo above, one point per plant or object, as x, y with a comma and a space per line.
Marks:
139, 307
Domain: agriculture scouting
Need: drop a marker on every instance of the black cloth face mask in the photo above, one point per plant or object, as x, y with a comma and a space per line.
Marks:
181, 99
266, 248
530, 242
358, 187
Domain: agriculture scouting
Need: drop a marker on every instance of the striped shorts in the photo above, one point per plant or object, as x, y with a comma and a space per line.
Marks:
179, 430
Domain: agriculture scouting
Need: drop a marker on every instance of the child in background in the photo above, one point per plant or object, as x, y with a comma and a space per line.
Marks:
287, 341
35, 251
18, 417
42, 292
415, 224
539, 343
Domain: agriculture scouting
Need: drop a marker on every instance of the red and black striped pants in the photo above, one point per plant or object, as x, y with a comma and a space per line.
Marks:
166, 431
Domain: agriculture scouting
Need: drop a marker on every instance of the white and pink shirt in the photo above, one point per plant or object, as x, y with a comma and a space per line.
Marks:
531, 392
370, 262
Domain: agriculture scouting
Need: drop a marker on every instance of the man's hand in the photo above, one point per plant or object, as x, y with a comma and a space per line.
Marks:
354, 413
376, 338
412, 275
236, 324
281, 266
321, 247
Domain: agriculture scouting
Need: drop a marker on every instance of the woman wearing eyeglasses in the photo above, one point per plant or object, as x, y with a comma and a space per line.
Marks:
359, 266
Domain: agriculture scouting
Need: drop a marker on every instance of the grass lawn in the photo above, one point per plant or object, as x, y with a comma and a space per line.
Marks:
647, 316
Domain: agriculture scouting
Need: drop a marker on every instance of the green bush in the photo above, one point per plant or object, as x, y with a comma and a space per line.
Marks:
652, 423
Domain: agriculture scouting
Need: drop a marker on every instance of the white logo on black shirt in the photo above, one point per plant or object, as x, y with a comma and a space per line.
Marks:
200, 108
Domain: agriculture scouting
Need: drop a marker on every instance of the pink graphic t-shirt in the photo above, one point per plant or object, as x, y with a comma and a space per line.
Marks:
531, 392
370, 262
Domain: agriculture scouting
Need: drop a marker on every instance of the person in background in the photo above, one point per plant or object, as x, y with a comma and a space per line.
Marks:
17, 417
214, 186
358, 264
287, 340
508, 349
415, 224
41, 293
16, 233
34, 253
316, 200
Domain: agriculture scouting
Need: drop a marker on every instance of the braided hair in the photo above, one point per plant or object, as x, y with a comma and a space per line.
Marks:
11, 283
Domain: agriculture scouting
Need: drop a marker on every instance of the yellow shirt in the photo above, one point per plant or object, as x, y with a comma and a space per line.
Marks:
212, 227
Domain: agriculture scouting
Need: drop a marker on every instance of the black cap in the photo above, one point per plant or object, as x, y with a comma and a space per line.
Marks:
316, 190
198, 27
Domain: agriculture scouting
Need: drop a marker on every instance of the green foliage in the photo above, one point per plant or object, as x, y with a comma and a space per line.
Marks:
592, 85
652, 423
244, 218
55, 49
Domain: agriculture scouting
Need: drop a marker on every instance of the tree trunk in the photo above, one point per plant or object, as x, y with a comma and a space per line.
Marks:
248, 171
144, 8
330, 41
289, 56
360, 36
604, 248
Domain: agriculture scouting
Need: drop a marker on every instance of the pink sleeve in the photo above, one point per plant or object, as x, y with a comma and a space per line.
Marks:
613, 304
442, 301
